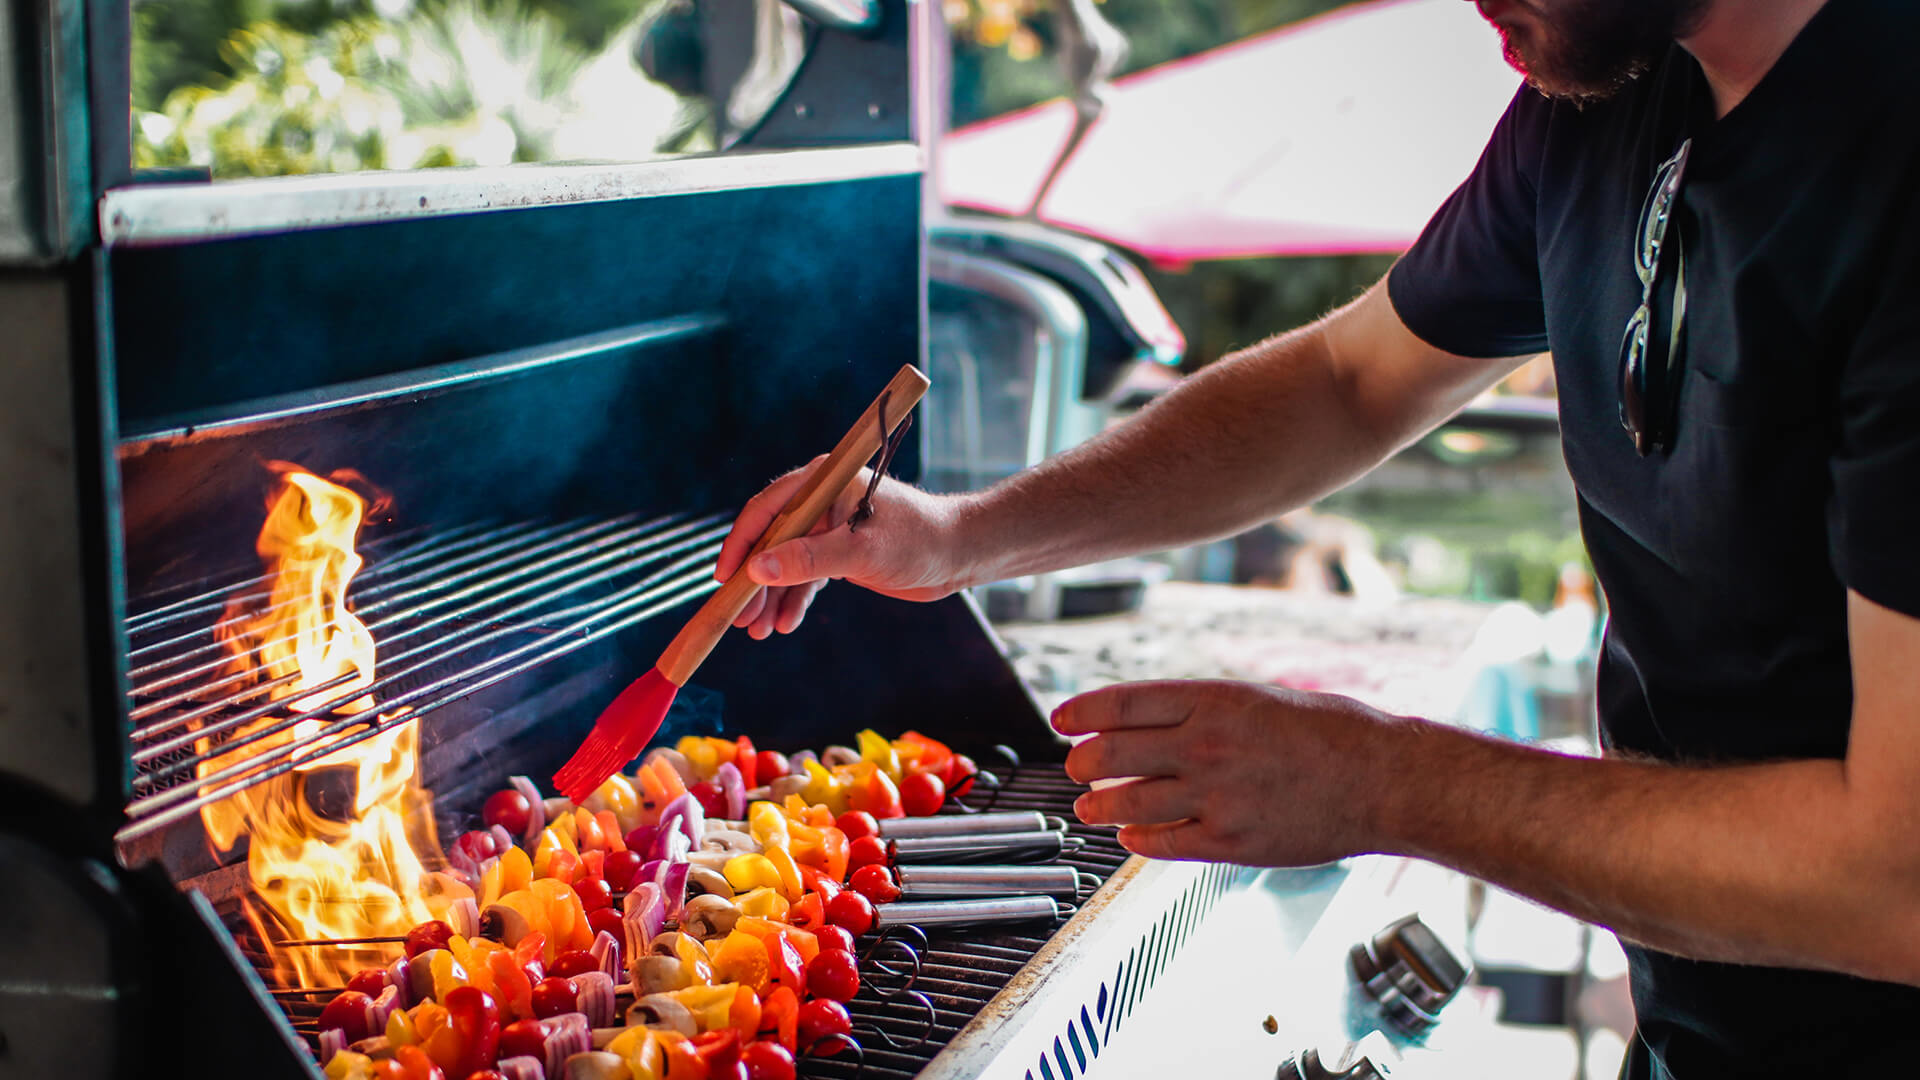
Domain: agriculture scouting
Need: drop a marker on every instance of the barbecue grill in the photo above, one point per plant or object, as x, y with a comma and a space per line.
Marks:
562, 379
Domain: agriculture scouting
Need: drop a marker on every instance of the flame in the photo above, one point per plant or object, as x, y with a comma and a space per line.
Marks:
354, 871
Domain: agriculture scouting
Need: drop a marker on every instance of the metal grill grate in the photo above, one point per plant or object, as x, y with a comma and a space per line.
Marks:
452, 613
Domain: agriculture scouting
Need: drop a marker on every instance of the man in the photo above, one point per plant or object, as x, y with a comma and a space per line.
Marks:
1741, 180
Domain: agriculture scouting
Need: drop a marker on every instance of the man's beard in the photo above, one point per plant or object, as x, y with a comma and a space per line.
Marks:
1589, 50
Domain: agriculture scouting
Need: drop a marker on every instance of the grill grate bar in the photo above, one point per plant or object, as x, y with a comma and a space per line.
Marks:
438, 580
558, 589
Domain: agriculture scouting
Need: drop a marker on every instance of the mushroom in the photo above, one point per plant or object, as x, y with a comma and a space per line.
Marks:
598, 1065
839, 755
711, 860
679, 762
658, 974
785, 786
730, 841
708, 917
703, 881
503, 924
377, 1046
661, 1011
674, 943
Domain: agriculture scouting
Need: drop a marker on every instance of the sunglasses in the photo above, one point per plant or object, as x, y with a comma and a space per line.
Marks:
1646, 405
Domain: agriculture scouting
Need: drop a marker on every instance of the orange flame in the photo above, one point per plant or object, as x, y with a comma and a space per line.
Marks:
351, 871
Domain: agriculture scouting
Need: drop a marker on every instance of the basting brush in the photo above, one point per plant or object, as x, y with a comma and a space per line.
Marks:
629, 723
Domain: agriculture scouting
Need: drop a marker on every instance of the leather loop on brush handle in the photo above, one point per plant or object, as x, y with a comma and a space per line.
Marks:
691, 646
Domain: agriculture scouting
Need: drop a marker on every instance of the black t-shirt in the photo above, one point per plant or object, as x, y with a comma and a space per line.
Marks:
1794, 473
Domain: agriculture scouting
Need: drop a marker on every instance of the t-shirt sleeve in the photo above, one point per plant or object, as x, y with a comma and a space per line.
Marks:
1874, 520
1471, 283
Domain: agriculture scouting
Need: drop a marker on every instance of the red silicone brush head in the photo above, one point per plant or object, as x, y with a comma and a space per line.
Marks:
623, 730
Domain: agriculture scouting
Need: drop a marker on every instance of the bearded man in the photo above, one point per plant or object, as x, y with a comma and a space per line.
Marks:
1709, 212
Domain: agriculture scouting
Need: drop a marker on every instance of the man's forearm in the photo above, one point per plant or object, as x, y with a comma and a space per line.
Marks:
1252, 436
1778, 864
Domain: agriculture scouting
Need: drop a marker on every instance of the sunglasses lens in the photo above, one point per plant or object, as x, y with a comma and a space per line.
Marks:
1633, 373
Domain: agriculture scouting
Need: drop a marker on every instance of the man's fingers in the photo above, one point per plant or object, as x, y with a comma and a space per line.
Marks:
1126, 705
1137, 802
1120, 754
756, 515
752, 611
1178, 840
793, 607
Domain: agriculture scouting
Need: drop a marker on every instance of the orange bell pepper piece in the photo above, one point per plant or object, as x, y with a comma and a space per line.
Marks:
745, 1017
511, 987
610, 829
682, 1062
780, 1017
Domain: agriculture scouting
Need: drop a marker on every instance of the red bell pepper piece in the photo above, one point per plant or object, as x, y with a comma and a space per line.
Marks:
810, 911
743, 759
785, 967
718, 1049
476, 1019
780, 1017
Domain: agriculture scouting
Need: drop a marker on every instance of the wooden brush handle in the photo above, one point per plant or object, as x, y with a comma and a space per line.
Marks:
691, 646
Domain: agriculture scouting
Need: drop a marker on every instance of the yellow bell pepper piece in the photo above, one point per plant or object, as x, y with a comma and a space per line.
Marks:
763, 903
516, 873
694, 959
878, 750
400, 1028
768, 824
824, 788
782, 860
617, 795
641, 1049
347, 1065
742, 958
448, 973
711, 1006
700, 754
750, 871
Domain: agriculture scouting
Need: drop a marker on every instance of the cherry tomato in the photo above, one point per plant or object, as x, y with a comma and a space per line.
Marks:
922, 794
428, 936
767, 1060
369, 981
834, 937
960, 775
523, 1038
710, 797
820, 1021
508, 809
487, 1074
572, 962
834, 974
554, 995
770, 765
607, 921
866, 851
478, 846
876, 884
594, 893
348, 1012
622, 867
856, 824
851, 911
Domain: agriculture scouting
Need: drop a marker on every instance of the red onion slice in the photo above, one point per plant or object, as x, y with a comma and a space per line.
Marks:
332, 1041
537, 820
643, 917
693, 817
521, 1068
383, 1007
609, 952
567, 1034
595, 998
733, 788
398, 979
464, 914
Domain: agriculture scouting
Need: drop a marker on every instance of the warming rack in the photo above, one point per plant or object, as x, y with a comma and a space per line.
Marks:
451, 612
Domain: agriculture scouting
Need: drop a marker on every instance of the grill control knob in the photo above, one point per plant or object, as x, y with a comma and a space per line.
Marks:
1409, 972
1308, 1066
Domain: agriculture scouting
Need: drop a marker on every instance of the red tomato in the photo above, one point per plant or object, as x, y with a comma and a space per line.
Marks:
876, 884
922, 794
348, 1012
771, 765
767, 1061
960, 775
478, 846
523, 1038
710, 797
820, 1021
554, 995
851, 911
428, 936
508, 809
834, 937
866, 851
856, 824
572, 962
622, 867
594, 893
369, 981
607, 921
834, 974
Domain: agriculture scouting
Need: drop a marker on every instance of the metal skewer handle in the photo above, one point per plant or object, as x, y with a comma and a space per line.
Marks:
946, 882
1006, 909
1009, 821
993, 847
